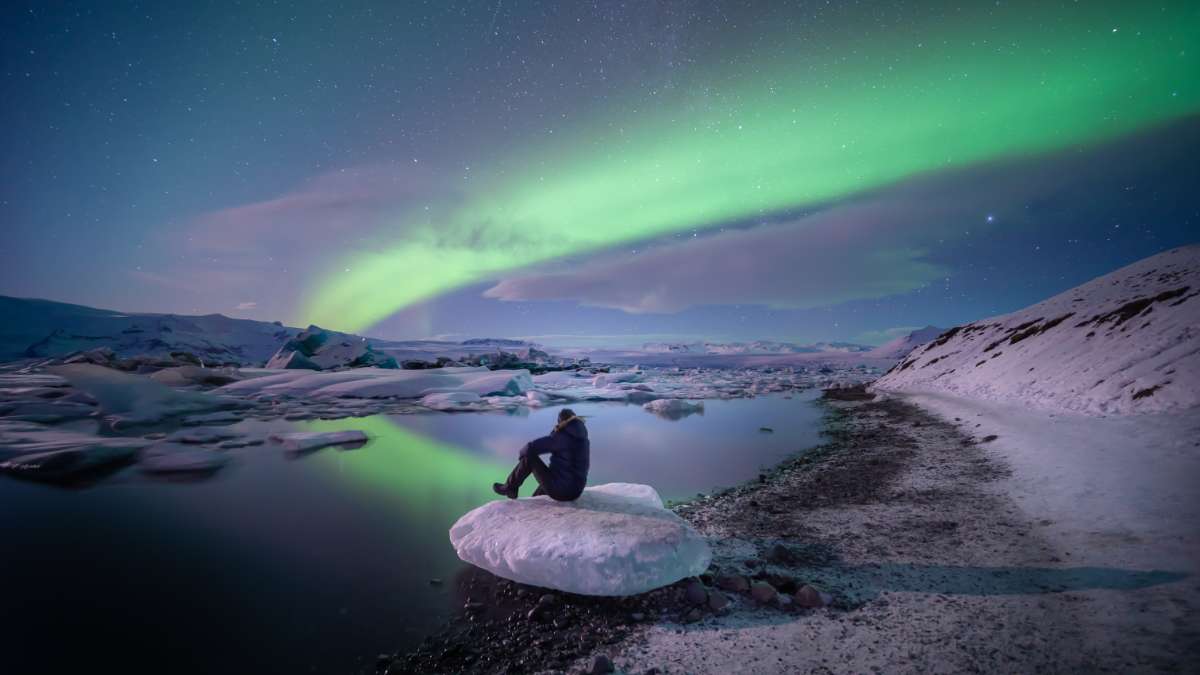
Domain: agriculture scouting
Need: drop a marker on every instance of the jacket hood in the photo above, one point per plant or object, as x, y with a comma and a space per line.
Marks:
573, 427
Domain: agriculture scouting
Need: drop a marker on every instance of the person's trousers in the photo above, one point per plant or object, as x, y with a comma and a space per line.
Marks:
526, 465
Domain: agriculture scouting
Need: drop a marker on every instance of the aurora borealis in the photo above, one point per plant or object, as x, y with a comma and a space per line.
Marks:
789, 141
508, 187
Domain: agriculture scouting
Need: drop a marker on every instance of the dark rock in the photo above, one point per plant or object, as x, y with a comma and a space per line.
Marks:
187, 357
780, 555
763, 593
717, 600
693, 616
734, 583
694, 593
601, 664
809, 597
637, 616
782, 583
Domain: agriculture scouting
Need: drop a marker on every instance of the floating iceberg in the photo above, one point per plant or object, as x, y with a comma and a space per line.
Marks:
307, 441
318, 349
606, 379
452, 400
18, 438
134, 399
616, 539
44, 453
673, 408
173, 458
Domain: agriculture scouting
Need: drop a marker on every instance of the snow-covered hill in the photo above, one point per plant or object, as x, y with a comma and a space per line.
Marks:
901, 346
42, 328
1127, 342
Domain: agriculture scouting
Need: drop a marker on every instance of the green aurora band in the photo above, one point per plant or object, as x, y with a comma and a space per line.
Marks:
785, 134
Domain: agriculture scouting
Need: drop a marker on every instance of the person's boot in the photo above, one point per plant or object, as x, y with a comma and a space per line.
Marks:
502, 490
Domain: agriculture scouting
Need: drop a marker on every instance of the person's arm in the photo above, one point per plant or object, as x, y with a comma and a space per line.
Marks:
541, 446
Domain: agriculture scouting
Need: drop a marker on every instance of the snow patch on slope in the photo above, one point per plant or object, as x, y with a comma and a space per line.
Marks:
1127, 342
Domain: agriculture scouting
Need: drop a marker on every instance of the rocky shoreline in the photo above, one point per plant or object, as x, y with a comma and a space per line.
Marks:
891, 547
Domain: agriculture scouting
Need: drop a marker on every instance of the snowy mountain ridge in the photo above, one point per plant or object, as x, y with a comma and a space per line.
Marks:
1126, 342
33, 328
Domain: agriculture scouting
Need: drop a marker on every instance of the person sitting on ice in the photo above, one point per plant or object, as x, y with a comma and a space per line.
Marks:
569, 452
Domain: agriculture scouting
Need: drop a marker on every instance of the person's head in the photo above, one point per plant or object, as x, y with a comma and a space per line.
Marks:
565, 414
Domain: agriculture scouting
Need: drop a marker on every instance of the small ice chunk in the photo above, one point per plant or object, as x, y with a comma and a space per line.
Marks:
452, 400
17, 438
616, 539
175, 458
221, 417
605, 379
307, 441
201, 436
673, 408
51, 454
239, 443
47, 412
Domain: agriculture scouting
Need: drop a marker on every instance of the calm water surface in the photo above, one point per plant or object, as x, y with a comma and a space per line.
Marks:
315, 564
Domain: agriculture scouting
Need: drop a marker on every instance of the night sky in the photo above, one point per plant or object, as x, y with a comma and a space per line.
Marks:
599, 174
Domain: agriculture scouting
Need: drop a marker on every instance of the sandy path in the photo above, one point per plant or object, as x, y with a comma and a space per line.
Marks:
934, 567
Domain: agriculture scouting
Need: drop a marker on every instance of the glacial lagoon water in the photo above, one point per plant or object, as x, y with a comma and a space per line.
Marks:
313, 564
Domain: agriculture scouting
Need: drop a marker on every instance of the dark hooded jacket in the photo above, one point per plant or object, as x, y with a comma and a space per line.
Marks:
570, 456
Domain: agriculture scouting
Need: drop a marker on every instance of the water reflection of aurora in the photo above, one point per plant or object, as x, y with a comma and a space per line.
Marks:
434, 482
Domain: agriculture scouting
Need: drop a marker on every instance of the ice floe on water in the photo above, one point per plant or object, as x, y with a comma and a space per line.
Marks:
38, 452
308, 441
673, 408
126, 399
176, 458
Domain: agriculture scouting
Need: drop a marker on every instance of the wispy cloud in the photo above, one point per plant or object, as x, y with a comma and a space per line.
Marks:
872, 246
